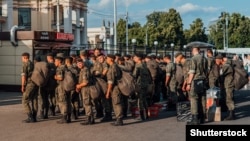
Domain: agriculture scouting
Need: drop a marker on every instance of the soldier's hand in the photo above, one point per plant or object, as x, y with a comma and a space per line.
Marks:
188, 87
183, 88
22, 89
107, 96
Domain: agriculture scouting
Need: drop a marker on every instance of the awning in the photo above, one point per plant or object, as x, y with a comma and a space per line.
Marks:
51, 45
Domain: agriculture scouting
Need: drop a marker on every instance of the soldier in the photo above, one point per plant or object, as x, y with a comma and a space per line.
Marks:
85, 59
185, 69
211, 65
82, 87
64, 98
170, 81
143, 79
195, 84
113, 75
226, 74
29, 89
51, 86
73, 93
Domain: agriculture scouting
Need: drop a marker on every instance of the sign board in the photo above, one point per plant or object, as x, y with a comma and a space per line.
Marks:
64, 36
44, 35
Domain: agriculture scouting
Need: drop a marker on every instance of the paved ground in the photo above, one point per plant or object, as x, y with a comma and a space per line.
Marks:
163, 128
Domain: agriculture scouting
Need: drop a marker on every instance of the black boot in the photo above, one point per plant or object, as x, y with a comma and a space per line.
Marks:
118, 122
75, 114
34, 116
63, 119
147, 114
30, 119
194, 120
89, 121
107, 117
52, 110
41, 116
99, 113
141, 117
46, 113
125, 112
69, 118
231, 116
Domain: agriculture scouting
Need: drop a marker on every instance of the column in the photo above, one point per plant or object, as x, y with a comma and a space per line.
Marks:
78, 28
67, 15
7, 11
85, 37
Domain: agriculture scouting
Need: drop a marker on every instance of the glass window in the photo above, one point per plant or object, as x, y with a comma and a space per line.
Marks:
24, 18
60, 15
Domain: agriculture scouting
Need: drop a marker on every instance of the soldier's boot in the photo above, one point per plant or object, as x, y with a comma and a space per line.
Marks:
231, 115
89, 121
29, 119
194, 121
202, 118
75, 114
107, 117
41, 116
99, 113
69, 118
57, 109
146, 114
141, 117
118, 122
34, 116
63, 119
125, 112
52, 110
46, 113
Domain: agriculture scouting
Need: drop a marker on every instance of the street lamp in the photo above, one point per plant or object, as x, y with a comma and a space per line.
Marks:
165, 49
134, 43
172, 46
101, 37
155, 43
185, 49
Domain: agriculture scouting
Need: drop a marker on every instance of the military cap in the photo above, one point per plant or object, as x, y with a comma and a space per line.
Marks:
50, 54
118, 54
60, 55
219, 56
79, 60
178, 54
139, 55
59, 58
112, 56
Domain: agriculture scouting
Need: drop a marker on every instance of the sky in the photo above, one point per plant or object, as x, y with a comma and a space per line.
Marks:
207, 10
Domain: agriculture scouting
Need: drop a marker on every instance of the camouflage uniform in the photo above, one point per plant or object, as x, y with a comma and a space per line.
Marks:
227, 80
212, 76
113, 74
172, 85
30, 93
198, 67
85, 77
64, 98
143, 79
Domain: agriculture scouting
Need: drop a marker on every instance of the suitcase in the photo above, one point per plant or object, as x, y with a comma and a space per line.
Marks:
183, 111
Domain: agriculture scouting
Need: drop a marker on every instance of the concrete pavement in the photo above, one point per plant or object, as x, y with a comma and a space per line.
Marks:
163, 128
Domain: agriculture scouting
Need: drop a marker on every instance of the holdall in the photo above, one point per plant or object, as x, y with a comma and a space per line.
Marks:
103, 84
126, 84
94, 91
40, 74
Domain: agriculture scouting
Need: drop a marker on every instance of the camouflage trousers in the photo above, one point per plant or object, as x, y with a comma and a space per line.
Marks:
198, 102
29, 98
64, 100
88, 103
116, 102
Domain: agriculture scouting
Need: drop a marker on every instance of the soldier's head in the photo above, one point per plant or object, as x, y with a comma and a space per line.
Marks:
110, 59
148, 58
68, 61
83, 54
97, 51
167, 58
58, 61
209, 53
79, 63
25, 57
138, 57
195, 50
100, 58
37, 59
50, 57
178, 56
219, 59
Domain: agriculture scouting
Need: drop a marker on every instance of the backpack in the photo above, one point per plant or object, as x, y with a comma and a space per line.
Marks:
69, 81
240, 77
126, 84
179, 74
40, 74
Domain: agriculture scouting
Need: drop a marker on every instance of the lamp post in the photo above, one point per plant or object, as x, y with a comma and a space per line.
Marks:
155, 43
134, 44
172, 46
185, 49
101, 37
165, 49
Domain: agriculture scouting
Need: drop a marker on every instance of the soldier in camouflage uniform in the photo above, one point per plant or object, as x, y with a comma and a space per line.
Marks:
212, 77
29, 89
64, 98
170, 81
113, 75
226, 75
143, 79
195, 84
82, 87
185, 69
